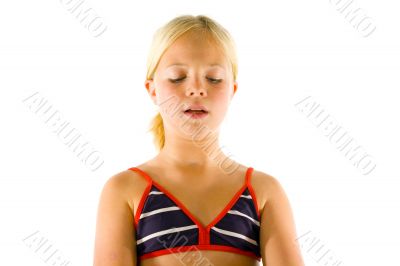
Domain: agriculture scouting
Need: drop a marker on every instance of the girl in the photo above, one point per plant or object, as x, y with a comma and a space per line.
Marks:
191, 204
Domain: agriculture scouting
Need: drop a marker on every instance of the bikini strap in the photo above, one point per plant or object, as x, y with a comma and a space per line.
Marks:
251, 190
142, 173
248, 175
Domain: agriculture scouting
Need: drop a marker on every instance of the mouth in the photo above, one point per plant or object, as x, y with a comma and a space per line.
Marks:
196, 113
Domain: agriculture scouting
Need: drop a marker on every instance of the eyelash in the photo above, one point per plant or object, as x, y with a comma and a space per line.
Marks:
211, 79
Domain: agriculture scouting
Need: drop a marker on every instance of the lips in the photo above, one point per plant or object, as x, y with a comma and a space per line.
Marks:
196, 111
196, 114
196, 108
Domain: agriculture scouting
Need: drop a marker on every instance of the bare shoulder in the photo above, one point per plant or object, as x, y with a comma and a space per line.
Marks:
115, 233
278, 230
129, 185
266, 186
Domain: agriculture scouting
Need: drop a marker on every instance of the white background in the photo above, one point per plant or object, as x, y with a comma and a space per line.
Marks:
287, 50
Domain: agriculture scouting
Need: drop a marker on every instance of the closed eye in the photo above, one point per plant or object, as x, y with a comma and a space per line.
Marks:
214, 80
180, 79
176, 80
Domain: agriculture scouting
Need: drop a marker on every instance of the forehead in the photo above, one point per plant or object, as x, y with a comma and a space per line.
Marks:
182, 65
194, 49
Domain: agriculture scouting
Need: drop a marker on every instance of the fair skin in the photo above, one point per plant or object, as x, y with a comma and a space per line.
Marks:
187, 171
197, 86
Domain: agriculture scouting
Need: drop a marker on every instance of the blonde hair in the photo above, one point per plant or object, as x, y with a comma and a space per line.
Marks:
171, 31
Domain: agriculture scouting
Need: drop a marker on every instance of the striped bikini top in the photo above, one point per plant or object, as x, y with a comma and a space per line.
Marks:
164, 225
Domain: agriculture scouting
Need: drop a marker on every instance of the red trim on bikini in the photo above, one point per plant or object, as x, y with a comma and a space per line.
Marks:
144, 195
251, 190
199, 247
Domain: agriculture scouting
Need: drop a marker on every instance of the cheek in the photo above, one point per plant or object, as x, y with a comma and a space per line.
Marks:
169, 100
221, 97
220, 104
166, 91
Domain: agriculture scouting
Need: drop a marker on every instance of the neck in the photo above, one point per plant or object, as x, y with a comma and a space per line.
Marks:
190, 153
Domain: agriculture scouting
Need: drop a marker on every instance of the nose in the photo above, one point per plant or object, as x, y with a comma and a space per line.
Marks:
195, 92
196, 89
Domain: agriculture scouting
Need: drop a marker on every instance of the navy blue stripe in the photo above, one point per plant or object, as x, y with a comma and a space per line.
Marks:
221, 239
162, 221
246, 192
178, 239
246, 206
157, 201
153, 188
238, 224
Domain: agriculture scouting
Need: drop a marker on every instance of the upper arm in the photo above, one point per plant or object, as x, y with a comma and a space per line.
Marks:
277, 230
115, 233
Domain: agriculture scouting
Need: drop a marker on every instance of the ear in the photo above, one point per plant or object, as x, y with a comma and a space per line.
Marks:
235, 87
149, 84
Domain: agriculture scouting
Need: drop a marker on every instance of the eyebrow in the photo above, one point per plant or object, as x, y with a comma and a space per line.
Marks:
179, 64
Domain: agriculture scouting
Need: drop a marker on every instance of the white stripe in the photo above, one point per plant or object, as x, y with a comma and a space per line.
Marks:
174, 208
244, 215
164, 232
156, 192
229, 233
246, 196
